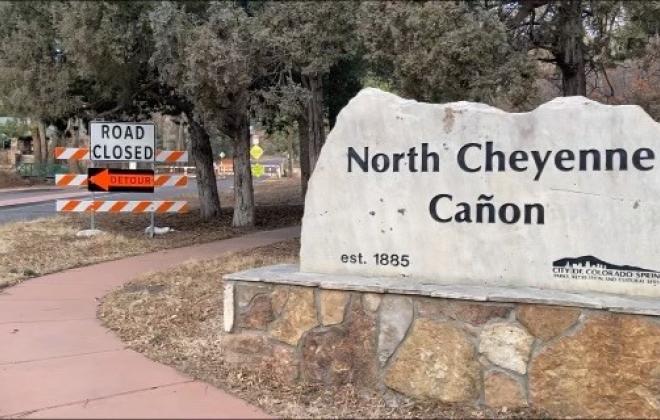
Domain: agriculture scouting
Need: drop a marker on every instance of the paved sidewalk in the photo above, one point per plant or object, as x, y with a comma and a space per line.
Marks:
57, 360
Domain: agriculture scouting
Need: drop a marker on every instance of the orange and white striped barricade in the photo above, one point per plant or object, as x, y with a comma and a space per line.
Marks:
75, 153
170, 180
70, 180
119, 206
95, 206
82, 153
172, 156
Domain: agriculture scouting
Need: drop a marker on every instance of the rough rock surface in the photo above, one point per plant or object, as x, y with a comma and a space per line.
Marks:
396, 314
247, 291
258, 314
437, 360
475, 313
506, 345
609, 368
342, 353
283, 363
279, 298
371, 301
502, 390
546, 322
332, 304
297, 316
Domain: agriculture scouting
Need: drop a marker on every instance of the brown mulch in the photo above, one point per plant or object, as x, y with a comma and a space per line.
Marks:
175, 318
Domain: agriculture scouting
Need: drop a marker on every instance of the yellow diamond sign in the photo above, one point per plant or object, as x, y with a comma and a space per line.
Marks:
258, 170
256, 152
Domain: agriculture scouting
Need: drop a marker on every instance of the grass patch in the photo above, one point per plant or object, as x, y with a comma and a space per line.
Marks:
175, 318
38, 247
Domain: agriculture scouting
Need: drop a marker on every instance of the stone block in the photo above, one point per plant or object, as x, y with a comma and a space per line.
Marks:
506, 345
279, 298
503, 390
342, 353
396, 314
228, 306
284, 364
298, 315
474, 313
546, 322
371, 301
428, 206
332, 304
609, 368
246, 291
257, 315
437, 361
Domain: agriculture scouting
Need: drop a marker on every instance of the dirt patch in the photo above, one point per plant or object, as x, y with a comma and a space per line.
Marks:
175, 317
273, 192
38, 247
13, 180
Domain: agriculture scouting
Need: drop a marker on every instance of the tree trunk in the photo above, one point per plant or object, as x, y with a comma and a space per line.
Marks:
243, 191
179, 138
202, 158
571, 48
36, 144
305, 171
73, 128
289, 141
43, 141
314, 113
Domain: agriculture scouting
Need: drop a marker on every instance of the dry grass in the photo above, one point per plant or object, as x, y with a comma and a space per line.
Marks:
175, 317
273, 192
13, 180
29, 249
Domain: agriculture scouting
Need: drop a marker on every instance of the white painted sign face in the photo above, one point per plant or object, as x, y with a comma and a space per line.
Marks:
122, 141
564, 197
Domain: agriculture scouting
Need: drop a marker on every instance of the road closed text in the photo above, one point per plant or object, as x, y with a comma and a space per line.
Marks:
122, 141
125, 152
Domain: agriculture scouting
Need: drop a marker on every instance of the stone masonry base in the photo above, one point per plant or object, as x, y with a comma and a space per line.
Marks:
567, 361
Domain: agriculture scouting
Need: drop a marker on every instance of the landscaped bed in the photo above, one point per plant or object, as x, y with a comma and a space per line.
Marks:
175, 318
38, 247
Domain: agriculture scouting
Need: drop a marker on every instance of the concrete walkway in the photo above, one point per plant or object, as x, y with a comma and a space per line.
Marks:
57, 360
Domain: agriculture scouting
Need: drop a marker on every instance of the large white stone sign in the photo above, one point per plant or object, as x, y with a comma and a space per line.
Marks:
564, 197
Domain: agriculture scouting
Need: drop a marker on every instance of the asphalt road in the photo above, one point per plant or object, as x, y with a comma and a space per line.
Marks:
46, 207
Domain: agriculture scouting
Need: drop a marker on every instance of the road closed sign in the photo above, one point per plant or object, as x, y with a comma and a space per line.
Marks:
122, 141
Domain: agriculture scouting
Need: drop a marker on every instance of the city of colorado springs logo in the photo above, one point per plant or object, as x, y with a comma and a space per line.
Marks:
591, 268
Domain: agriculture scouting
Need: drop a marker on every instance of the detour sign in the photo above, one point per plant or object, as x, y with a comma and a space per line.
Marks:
120, 180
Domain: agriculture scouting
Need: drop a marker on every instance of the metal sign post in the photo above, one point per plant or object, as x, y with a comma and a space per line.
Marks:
152, 227
93, 226
91, 216
152, 214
